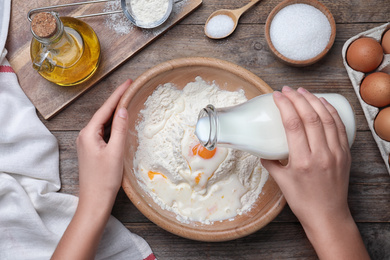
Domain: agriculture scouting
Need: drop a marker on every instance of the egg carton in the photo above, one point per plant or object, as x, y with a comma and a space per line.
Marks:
356, 78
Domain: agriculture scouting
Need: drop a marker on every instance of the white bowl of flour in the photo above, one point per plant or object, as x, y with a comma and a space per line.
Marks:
210, 198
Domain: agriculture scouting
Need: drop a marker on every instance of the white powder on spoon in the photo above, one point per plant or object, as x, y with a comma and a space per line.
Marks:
300, 31
219, 26
196, 189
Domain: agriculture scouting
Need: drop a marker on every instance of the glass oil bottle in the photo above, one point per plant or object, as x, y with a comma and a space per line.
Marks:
65, 51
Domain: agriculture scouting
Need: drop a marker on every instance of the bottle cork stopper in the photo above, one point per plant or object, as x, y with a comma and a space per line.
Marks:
44, 25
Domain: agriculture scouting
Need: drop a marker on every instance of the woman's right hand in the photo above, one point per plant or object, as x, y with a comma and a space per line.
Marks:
316, 178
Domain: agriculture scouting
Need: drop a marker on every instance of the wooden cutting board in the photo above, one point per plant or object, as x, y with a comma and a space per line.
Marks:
116, 48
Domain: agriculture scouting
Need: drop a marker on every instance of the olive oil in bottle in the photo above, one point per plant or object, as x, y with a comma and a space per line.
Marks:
65, 50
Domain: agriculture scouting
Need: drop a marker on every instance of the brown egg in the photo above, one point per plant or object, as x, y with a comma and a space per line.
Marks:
375, 89
386, 42
382, 124
364, 54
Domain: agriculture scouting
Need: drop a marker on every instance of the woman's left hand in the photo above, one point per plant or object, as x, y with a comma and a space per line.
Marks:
101, 163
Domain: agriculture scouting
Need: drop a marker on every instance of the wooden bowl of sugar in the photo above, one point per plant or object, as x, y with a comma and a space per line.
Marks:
300, 32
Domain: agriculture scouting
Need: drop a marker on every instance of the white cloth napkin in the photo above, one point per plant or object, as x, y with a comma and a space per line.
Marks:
33, 214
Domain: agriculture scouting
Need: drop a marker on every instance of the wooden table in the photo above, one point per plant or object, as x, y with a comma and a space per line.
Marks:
369, 190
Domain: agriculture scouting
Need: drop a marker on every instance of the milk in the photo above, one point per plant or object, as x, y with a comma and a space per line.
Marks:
256, 126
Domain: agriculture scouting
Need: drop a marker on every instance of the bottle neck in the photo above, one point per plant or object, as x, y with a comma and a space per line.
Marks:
57, 35
207, 127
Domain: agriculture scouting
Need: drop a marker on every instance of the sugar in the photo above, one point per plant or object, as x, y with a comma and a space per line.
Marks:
300, 31
219, 26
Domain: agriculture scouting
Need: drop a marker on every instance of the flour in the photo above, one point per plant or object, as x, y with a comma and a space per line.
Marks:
167, 172
148, 12
117, 22
122, 26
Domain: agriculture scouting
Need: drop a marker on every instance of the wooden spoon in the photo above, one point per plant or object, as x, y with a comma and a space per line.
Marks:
233, 14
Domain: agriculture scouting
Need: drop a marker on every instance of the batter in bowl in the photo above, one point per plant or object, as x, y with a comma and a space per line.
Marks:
178, 173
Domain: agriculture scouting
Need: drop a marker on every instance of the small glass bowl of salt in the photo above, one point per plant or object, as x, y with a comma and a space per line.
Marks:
147, 14
300, 33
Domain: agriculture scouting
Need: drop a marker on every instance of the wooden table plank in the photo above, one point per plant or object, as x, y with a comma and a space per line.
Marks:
344, 11
264, 244
275, 241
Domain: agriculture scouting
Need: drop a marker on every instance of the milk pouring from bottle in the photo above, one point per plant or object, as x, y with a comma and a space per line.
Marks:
256, 126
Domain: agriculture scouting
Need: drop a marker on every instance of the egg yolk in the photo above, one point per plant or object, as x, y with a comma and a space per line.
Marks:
151, 175
197, 178
203, 152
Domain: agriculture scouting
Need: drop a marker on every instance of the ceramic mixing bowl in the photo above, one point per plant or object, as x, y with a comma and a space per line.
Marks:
180, 72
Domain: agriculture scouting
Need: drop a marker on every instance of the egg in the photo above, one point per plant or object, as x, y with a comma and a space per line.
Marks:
382, 124
386, 42
364, 54
375, 89
202, 162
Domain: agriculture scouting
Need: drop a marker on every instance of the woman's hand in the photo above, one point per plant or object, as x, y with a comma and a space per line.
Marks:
316, 177
101, 163
100, 177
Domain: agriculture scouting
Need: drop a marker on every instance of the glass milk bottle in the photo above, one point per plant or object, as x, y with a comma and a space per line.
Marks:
256, 126
65, 50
